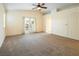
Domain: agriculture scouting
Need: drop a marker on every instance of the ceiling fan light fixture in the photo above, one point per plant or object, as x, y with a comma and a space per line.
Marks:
38, 8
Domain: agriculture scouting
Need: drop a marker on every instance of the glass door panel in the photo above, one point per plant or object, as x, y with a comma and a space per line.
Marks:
29, 25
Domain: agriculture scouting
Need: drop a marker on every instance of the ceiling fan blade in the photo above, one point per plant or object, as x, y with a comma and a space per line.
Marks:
42, 4
44, 7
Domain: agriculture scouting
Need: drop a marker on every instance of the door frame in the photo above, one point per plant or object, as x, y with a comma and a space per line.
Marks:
24, 23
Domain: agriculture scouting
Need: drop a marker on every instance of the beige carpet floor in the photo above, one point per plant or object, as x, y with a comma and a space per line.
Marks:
39, 44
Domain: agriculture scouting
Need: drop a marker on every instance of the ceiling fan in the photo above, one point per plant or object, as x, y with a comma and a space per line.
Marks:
39, 6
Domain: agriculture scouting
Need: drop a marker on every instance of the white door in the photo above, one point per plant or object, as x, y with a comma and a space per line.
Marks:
59, 25
73, 25
29, 25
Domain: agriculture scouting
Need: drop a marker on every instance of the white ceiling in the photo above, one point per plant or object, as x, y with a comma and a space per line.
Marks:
29, 6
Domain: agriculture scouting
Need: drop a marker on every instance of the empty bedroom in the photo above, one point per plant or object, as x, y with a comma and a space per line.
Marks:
39, 29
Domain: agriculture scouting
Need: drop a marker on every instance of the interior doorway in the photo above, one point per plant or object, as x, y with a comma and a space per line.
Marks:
29, 25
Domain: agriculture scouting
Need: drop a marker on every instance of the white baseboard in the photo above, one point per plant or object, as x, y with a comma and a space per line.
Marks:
1, 42
66, 36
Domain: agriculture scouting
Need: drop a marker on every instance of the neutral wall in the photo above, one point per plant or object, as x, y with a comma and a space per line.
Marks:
66, 22
2, 28
15, 22
47, 23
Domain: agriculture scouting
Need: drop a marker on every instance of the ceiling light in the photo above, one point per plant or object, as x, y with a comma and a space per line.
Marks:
38, 8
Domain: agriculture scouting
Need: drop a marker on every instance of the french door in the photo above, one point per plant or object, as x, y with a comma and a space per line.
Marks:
29, 24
